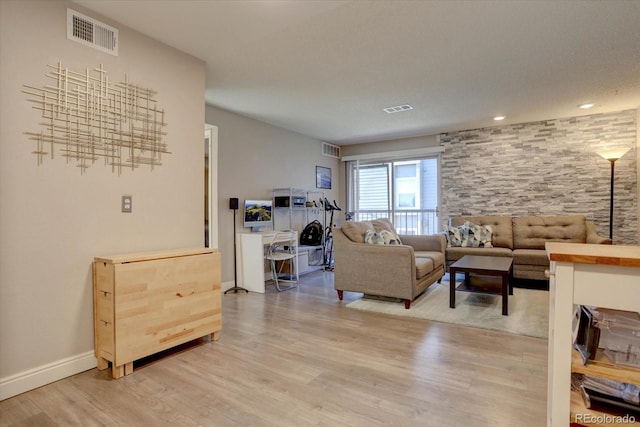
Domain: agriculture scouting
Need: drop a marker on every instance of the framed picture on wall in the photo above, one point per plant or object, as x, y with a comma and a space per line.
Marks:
323, 177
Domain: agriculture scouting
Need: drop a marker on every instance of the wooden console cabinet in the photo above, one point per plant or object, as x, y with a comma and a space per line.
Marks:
148, 302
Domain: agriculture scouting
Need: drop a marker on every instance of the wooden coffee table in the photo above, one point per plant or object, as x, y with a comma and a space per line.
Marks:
480, 273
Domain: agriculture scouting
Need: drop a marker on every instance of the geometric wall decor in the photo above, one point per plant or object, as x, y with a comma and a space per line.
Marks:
86, 118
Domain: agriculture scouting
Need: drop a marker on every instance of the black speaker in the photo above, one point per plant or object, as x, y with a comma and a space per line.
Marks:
233, 203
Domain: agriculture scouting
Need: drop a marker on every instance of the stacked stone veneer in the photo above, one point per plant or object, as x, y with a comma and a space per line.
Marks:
544, 168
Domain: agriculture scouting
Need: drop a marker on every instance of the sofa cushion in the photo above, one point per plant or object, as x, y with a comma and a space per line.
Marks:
424, 266
356, 230
436, 257
530, 257
531, 232
501, 228
593, 237
454, 254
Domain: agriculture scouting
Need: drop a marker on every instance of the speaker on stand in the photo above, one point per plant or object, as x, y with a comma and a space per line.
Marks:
233, 204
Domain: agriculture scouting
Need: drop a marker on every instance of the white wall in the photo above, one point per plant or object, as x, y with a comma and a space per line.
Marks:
253, 159
390, 145
53, 220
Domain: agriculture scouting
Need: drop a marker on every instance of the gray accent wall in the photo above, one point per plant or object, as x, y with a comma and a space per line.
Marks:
548, 167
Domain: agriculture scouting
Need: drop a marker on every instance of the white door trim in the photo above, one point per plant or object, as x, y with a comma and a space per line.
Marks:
211, 135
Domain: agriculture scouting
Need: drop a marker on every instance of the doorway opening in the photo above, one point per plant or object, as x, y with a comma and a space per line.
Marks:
210, 186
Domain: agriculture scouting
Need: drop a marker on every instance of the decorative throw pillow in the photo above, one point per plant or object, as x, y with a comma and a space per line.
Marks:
373, 238
477, 236
454, 235
385, 224
355, 230
389, 237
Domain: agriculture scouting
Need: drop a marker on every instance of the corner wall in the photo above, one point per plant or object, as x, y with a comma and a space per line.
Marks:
53, 220
545, 168
253, 159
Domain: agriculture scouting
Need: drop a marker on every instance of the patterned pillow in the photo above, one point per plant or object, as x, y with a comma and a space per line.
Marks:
384, 237
477, 236
385, 224
373, 238
454, 235
389, 237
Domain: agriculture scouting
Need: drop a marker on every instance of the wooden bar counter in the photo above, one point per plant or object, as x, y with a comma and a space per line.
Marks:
595, 275
148, 302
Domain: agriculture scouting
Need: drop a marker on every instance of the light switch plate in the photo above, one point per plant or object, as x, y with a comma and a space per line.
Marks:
127, 204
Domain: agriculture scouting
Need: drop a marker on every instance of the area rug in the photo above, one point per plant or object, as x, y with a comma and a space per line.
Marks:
528, 309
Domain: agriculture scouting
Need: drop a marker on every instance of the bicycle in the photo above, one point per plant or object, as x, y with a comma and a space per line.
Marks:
328, 238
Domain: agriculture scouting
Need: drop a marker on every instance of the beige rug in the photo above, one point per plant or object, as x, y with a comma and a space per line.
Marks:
528, 309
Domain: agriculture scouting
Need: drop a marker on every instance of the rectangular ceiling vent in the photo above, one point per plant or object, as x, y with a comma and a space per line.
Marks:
330, 150
397, 109
90, 32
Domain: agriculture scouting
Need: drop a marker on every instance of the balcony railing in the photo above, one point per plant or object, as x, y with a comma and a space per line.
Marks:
406, 221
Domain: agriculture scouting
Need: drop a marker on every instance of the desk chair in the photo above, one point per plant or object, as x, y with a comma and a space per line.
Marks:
283, 247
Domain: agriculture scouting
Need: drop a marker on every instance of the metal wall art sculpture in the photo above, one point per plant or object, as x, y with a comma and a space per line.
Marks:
86, 117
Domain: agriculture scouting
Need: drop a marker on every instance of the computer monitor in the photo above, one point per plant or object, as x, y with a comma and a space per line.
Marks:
258, 214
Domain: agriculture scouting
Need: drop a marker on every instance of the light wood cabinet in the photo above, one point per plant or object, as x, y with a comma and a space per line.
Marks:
595, 275
148, 302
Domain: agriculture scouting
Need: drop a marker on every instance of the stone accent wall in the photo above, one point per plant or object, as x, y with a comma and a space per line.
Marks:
549, 167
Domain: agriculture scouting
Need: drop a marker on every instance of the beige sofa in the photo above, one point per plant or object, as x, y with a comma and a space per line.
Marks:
398, 271
523, 239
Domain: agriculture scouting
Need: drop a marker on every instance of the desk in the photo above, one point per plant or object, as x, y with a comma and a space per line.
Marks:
250, 258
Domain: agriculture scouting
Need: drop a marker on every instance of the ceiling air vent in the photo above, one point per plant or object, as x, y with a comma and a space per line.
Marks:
92, 33
397, 109
330, 150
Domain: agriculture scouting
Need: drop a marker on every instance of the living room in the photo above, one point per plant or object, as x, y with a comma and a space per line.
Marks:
57, 217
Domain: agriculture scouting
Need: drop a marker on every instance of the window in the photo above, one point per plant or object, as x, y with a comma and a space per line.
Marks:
407, 185
405, 191
406, 200
374, 191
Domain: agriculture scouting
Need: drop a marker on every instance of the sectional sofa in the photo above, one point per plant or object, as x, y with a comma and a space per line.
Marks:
523, 239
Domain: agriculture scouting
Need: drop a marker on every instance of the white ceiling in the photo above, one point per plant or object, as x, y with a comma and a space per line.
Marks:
327, 68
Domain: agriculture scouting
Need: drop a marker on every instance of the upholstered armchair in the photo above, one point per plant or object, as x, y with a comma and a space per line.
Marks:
401, 271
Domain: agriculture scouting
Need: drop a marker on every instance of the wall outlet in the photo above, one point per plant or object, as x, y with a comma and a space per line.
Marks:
127, 204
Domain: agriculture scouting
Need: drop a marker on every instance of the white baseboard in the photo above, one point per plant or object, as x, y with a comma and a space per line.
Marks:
46, 374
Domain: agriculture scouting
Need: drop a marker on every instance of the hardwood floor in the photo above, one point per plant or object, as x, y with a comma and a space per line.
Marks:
301, 358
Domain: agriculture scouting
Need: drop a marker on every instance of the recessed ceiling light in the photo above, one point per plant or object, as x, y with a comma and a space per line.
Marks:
586, 105
397, 108
499, 118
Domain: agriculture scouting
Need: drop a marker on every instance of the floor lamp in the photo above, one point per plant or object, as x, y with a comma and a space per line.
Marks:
233, 204
612, 155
